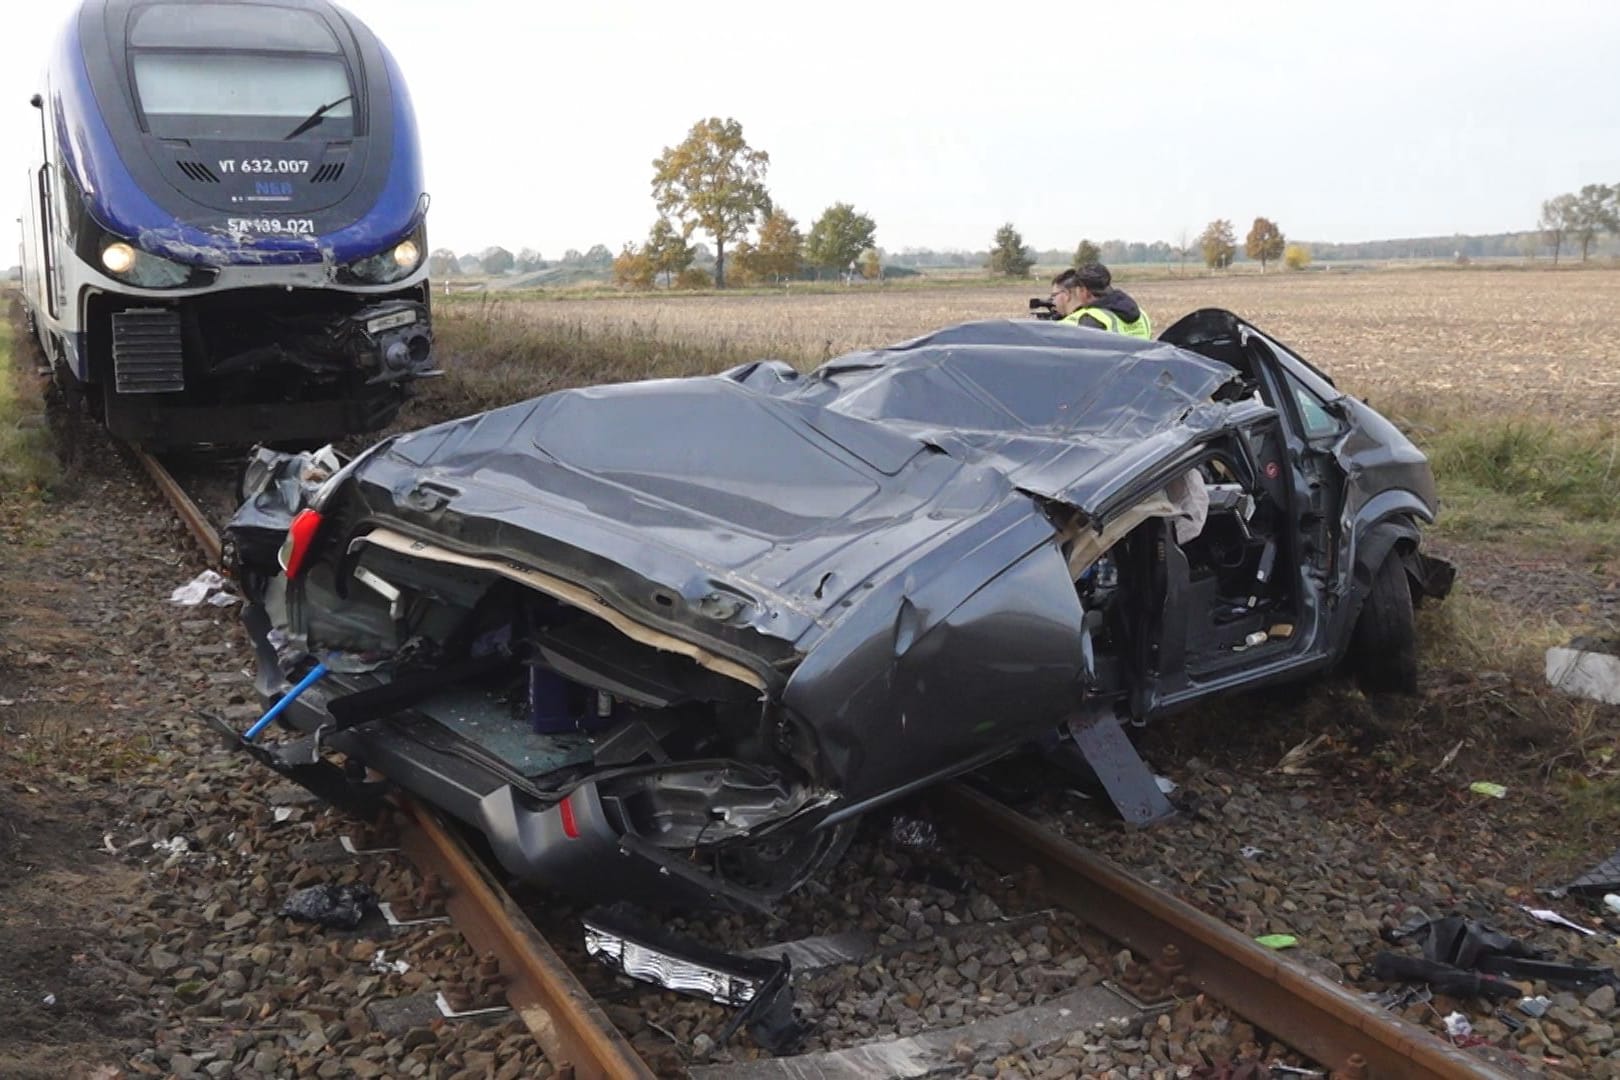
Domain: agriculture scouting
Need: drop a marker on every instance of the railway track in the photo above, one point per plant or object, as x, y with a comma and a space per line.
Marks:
1186, 951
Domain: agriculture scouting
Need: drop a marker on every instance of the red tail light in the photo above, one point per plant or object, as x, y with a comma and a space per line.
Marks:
300, 539
570, 826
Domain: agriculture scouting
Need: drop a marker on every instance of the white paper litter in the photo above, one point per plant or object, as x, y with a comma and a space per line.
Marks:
388, 967
175, 845
1457, 1025
1166, 785
207, 587
1556, 919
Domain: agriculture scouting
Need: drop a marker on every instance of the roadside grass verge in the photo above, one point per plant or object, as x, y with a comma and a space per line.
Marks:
28, 464
493, 357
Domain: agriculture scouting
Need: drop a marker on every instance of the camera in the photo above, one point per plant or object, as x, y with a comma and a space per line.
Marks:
1040, 308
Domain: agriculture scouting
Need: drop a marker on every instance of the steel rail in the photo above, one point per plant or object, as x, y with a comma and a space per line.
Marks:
570, 1027
1307, 1011
190, 515
577, 1037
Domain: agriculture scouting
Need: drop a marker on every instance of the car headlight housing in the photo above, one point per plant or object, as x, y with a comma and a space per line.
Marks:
394, 264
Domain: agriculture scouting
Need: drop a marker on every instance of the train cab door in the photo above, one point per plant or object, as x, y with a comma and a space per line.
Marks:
47, 241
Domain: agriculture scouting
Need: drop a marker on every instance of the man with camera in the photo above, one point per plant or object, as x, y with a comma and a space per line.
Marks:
1085, 296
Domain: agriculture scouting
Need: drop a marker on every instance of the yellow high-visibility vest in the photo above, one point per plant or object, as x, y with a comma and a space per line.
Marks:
1111, 322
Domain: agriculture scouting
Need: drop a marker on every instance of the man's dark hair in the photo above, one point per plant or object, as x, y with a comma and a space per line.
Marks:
1094, 276
1068, 279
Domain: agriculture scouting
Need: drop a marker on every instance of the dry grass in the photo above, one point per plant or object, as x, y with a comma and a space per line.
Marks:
1538, 343
27, 464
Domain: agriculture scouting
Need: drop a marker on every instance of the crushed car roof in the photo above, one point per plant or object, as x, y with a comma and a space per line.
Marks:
809, 486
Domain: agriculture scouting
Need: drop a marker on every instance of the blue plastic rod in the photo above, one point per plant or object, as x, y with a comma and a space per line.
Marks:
281, 706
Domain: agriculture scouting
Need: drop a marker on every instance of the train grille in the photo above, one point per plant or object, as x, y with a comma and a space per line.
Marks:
327, 173
198, 172
146, 351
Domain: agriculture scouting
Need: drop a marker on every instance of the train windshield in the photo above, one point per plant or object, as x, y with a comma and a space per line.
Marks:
239, 71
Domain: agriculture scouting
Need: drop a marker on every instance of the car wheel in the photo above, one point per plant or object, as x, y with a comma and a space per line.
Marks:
776, 865
1384, 644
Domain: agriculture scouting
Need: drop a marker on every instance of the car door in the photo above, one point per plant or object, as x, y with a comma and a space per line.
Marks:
1297, 463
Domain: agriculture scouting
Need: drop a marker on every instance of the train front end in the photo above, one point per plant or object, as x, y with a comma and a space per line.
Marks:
235, 222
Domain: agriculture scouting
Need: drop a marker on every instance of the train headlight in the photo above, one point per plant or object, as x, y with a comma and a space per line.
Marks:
118, 257
390, 264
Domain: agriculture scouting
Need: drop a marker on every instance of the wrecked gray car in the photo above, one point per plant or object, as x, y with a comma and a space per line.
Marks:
672, 638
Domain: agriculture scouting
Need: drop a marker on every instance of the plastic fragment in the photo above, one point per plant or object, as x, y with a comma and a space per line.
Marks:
1547, 916
1485, 787
333, 906
206, 586
383, 966
1277, 941
1535, 1006
1457, 1025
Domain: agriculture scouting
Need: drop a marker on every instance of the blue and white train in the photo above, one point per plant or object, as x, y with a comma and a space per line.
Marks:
224, 240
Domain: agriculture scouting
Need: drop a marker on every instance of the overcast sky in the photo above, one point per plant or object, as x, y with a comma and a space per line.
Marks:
1340, 121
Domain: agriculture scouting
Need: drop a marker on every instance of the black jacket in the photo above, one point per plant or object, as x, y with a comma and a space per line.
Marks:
1117, 301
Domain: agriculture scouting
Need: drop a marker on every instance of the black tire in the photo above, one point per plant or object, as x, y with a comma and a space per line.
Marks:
1383, 646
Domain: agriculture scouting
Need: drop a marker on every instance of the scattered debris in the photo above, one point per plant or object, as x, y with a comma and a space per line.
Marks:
1535, 1006
1277, 941
1451, 755
1601, 879
1465, 958
384, 966
337, 907
763, 989
1546, 916
450, 1013
1485, 787
207, 587
1457, 1025
1166, 785
1294, 762
49, 1001
1249, 851
1586, 668
914, 833
397, 923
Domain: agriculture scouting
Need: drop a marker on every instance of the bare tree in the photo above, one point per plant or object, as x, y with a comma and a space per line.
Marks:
1557, 218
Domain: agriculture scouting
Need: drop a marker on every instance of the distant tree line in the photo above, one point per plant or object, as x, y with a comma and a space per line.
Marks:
714, 182
1580, 217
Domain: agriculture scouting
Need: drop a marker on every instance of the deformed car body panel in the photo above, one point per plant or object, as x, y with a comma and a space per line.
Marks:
786, 598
